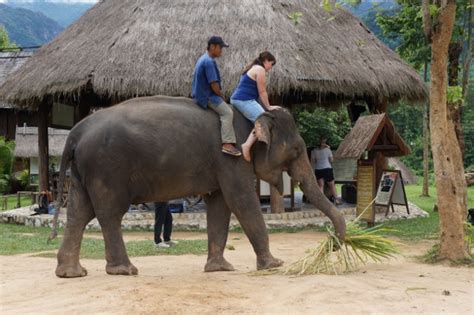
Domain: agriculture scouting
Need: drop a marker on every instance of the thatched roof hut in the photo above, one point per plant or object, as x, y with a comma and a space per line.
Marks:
26, 142
372, 132
122, 49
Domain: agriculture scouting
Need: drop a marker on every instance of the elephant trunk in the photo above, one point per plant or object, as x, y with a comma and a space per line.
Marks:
300, 170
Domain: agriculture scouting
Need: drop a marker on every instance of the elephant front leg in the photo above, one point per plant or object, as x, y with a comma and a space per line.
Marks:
245, 205
218, 218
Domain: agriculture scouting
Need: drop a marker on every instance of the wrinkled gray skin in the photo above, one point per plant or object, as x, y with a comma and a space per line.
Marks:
161, 148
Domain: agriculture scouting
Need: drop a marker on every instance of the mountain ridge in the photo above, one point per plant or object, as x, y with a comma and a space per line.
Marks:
28, 28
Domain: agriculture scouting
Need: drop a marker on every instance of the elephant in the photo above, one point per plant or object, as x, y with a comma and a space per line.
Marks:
160, 148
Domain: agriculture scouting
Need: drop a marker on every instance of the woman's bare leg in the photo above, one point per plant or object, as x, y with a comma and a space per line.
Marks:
321, 184
332, 185
247, 145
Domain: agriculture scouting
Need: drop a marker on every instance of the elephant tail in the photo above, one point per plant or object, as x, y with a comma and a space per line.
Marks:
68, 155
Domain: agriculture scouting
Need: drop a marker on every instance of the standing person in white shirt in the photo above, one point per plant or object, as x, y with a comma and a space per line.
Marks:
321, 158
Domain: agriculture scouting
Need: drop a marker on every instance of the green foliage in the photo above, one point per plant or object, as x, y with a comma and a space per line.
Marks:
295, 17
5, 39
454, 95
334, 125
24, 178
327, 5
6, 163
406, 23
408, 121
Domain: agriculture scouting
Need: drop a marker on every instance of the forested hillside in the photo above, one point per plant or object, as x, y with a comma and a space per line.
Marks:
28, 28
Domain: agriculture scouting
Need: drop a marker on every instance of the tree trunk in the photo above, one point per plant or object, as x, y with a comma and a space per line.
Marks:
426, 143
448, 164
43, 147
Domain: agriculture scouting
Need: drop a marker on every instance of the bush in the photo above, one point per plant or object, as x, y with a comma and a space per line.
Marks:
334, 125
6, 163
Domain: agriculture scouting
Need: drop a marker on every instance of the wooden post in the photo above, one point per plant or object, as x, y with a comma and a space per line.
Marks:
381, 162
43, 146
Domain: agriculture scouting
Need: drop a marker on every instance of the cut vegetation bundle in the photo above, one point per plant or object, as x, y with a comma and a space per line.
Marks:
334, 256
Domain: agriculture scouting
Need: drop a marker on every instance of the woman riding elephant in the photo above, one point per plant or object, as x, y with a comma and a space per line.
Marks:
251, 94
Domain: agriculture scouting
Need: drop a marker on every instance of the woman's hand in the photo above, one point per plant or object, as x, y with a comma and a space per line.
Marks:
270, 108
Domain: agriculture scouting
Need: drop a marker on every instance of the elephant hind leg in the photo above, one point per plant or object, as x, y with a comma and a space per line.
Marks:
218, 218
109, 212
79, 213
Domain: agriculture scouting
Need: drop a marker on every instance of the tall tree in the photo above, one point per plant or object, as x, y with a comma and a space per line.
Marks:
438, 24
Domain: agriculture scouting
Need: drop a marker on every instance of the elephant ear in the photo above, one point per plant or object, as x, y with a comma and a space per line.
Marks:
263, 127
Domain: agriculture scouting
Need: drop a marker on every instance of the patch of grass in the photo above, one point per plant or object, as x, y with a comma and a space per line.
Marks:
19, 239
432, 257
421, 228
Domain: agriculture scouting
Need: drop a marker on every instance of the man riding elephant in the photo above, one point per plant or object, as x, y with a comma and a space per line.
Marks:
207, 92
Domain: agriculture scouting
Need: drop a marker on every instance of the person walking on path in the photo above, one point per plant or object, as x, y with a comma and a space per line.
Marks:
321, 158
251, 94
163, 218
207, 92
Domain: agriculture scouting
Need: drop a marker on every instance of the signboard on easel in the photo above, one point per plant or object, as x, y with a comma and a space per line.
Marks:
365, 191
391, 191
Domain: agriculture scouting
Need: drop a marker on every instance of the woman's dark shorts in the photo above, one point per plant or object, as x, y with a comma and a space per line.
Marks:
325, 173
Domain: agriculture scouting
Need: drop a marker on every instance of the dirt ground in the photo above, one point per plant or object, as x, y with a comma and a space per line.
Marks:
177, 284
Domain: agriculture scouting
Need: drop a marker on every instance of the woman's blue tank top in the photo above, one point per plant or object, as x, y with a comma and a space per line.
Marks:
246, 90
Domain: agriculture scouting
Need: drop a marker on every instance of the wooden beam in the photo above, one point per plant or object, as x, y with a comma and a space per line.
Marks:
43, 146
385, 147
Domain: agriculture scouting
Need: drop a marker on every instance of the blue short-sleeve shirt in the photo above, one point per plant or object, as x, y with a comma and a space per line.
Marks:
205, 73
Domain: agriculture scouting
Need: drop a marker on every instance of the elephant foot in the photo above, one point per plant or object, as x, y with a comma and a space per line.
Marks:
70, 271
125, 270
268, 263
218, 264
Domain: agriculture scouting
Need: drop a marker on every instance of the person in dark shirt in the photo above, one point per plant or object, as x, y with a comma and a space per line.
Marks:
207, 92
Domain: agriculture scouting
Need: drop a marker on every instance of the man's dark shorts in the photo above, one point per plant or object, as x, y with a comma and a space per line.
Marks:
325, 173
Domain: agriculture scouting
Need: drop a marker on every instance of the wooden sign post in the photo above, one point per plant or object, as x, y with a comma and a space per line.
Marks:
391, 191
365, 191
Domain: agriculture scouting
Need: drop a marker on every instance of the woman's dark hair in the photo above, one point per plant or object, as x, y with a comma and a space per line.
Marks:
264, 56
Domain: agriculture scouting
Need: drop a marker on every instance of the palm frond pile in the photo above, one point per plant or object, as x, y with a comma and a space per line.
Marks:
334, 256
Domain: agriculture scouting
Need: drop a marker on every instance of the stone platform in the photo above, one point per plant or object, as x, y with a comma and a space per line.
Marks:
196, 220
